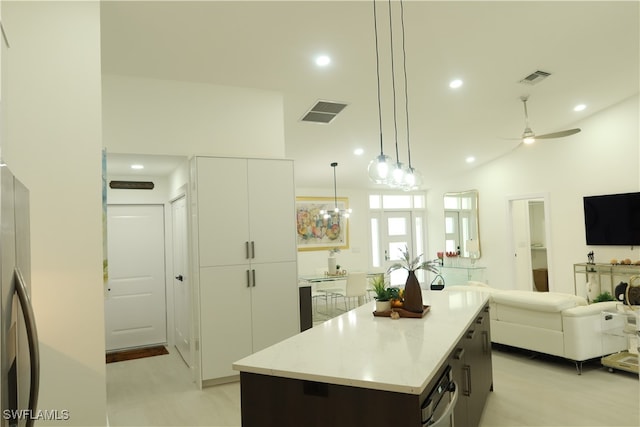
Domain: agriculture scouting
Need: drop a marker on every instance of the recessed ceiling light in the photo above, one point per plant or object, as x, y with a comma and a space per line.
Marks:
358, 151
455, 84
137, 166
579, 107
323, 61
470, 159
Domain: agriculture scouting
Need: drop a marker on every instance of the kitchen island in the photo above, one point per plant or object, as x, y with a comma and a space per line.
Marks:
361, 370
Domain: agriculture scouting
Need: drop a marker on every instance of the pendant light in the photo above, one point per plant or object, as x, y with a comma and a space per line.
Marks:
382, 170
397, 172
380, 167
412, 179
337, 213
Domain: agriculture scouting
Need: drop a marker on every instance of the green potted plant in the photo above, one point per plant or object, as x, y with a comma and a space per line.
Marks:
605, 296
383, 296
412, 291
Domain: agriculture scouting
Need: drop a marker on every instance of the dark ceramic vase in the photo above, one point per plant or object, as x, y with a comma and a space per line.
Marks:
412, 294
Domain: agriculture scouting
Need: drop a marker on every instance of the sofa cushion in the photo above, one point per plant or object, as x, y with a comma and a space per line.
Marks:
533, 318
538, 301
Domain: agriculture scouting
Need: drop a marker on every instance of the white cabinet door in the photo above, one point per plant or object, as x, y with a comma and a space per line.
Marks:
272, 210
274, 303
223, 211
225, 319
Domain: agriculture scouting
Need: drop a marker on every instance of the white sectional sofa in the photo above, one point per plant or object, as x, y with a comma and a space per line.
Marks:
552, 323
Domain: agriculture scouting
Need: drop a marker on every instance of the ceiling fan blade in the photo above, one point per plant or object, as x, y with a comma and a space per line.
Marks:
560, 134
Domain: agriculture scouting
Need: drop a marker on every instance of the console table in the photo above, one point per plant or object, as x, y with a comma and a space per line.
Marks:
457, 275
606, 276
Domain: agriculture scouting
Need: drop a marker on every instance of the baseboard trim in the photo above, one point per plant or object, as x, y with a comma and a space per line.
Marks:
222, 380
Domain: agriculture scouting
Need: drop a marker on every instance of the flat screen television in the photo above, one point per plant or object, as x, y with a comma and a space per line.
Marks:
612, 219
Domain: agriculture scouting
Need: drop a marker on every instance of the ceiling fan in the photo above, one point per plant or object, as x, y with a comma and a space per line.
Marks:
529, 137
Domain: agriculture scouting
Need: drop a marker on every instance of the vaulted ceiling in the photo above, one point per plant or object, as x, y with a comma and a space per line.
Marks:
590, 48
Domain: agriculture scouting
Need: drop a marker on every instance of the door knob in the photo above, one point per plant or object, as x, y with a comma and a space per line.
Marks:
179, 277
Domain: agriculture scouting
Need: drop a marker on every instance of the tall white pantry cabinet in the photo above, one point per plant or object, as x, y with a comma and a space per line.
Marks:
245, 259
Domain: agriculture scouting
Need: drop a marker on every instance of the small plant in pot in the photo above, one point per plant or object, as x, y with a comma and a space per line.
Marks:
412, 291
605, 296
383, 296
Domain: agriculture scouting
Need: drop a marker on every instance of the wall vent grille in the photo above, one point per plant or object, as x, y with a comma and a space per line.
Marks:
131, 185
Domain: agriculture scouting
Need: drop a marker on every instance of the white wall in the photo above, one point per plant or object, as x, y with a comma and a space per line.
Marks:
603, 158
150, 116
53, 145
178, 179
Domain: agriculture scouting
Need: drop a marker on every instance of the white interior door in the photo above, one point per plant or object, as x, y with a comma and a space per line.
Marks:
181, 282
521, 244
135, 304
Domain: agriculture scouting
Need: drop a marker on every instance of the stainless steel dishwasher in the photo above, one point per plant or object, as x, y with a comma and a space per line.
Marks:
437, 409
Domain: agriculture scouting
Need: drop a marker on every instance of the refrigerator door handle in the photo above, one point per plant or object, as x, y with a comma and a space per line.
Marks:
32, 336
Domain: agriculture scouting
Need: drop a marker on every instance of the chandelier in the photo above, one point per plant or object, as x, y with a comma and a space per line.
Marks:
336, 212
382, 170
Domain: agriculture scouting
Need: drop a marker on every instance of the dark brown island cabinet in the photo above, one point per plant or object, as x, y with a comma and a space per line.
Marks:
364, 370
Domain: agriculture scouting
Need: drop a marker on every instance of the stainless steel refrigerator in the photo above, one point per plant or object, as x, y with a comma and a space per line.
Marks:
19, 340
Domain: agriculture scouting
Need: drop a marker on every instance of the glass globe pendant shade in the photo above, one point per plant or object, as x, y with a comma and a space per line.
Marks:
379, 169
412, 179
397, 176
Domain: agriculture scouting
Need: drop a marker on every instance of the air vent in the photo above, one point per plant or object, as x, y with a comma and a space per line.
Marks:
131, 185
323, 112
535, 77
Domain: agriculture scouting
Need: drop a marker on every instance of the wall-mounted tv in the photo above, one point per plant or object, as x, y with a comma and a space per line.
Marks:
612, 219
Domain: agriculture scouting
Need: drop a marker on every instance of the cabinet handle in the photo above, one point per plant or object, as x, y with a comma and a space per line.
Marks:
248, 279
486, 309
470, 334
467, 379
486, 348
253, 276
246, 249
458, 354
253, 250
480, 320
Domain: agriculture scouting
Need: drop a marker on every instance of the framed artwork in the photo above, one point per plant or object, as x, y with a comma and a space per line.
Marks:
315, 232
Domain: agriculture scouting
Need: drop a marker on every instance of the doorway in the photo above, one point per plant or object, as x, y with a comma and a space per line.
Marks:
396, 235
135, 301
529, 236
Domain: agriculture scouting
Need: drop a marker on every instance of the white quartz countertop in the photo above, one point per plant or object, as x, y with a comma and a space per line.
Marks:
362, 350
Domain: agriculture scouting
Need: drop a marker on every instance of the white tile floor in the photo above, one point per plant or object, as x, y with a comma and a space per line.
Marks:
528, 391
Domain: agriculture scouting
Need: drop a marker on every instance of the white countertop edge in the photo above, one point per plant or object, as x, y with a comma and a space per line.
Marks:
334, 380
